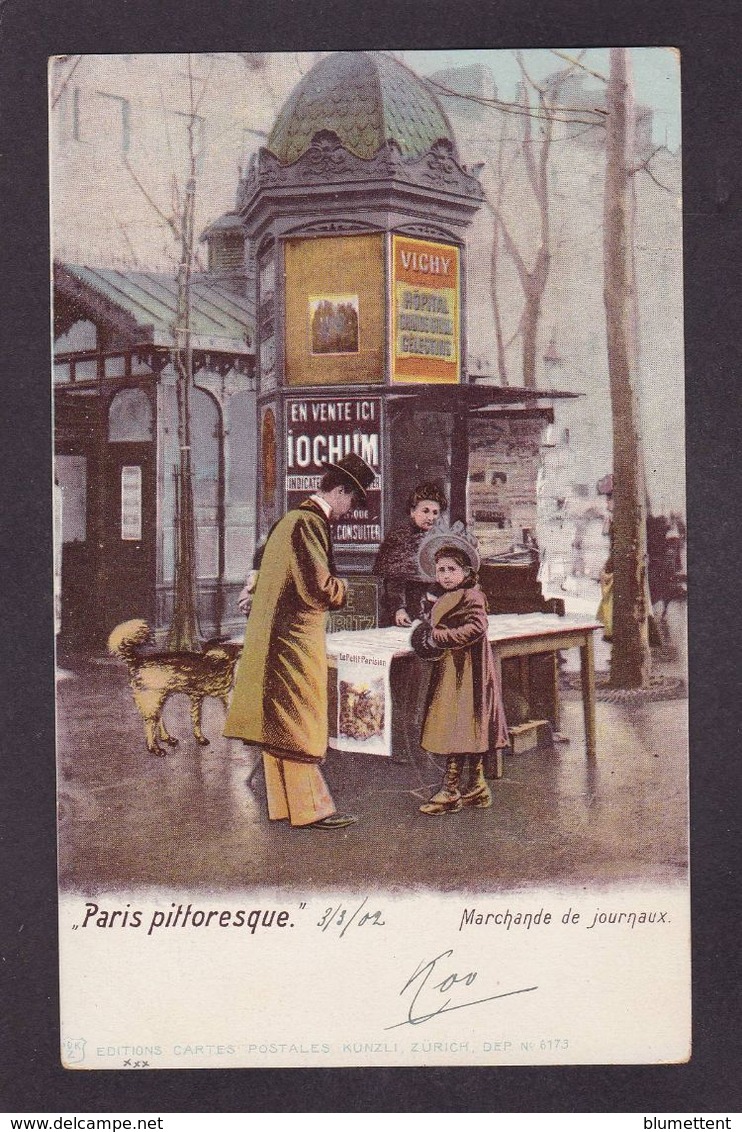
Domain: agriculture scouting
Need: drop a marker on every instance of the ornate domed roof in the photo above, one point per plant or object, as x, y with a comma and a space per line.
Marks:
366, 98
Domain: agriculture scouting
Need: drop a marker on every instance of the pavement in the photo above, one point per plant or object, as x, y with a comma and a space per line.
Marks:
197, 817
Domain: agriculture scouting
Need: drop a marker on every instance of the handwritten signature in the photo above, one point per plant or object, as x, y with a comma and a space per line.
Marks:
425, 1002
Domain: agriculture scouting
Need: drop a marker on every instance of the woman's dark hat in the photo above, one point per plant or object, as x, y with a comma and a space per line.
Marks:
360, 474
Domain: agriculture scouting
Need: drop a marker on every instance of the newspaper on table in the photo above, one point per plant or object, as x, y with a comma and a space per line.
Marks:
363, 722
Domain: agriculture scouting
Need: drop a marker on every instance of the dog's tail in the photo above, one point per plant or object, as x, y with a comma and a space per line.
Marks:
127, 638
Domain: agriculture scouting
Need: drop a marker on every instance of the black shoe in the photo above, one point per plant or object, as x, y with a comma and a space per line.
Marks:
335, 821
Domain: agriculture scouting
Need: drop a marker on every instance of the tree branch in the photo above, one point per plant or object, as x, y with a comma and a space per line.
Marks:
517, 332
494, 272
643, 167
578, 63
127, 240
204, 86
537, 173
175, 202
575, 136
517, 109
65, 81
515, 255
169, 220
531, 82
658, 183
645, 163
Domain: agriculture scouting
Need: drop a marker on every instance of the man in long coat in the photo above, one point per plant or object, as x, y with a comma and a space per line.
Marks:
280, 695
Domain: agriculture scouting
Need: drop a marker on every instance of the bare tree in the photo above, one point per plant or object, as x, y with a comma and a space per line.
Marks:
495, 198
630, 660
535, 153
534, 116
184, 630
178, 219
538, 111
184, 633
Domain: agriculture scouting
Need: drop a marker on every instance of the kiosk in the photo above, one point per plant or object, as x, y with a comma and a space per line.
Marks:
356, 210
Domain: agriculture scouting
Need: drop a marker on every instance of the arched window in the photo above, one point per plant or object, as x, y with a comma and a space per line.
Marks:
205, 438
82, 335
130, 416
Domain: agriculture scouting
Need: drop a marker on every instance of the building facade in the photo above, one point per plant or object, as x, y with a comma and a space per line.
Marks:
117, 447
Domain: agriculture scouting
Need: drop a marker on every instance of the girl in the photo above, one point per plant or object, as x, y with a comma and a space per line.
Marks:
464, 716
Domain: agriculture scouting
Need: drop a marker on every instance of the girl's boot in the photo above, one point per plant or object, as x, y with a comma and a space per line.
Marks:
448, 798
477, 792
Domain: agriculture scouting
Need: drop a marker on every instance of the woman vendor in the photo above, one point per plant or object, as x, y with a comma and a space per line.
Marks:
403, 585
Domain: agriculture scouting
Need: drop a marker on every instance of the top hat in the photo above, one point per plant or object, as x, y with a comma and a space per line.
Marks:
359, 473
456, 536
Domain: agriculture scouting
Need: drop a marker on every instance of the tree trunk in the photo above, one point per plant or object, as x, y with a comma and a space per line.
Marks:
502, 368
534, 294
630, 661
184, 635
530, 335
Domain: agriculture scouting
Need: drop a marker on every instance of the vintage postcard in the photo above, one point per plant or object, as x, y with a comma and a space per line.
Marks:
370, 558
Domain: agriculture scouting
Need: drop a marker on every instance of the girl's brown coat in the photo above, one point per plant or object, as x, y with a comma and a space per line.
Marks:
464, 713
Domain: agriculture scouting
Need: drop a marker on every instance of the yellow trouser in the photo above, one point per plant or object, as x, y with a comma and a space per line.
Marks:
296, 791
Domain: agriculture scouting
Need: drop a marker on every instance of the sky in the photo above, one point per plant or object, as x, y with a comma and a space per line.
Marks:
656, 76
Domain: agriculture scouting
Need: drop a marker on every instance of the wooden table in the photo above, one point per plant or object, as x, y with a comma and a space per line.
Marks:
520, 635
530, 634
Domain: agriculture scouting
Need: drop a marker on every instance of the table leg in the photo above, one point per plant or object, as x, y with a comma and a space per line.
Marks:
494, 763
587, 672
524, 665
556, 707
557, 735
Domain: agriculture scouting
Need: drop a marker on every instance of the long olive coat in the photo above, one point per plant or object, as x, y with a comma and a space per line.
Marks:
280, 694
464, 712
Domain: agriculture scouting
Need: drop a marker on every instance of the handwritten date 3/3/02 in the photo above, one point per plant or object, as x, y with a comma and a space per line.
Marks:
434, 989
342, 917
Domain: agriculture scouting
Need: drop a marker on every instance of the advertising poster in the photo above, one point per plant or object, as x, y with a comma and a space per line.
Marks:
324, 430
333, 284
398, 258
426, 311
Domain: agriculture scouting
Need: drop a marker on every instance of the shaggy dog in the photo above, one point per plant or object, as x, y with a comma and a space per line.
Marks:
155, 676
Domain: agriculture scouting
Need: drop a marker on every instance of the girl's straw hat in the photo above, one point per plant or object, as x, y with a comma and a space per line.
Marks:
456, 536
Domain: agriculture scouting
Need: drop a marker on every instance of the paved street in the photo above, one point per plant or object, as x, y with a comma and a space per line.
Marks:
193, 819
